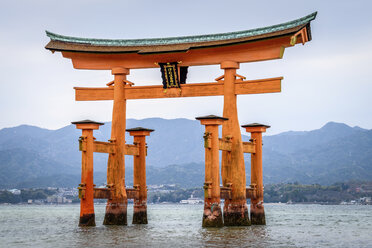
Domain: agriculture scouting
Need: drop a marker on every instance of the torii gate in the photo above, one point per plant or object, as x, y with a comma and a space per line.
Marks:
228, 50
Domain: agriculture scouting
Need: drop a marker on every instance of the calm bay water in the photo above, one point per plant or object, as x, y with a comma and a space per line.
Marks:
180, 226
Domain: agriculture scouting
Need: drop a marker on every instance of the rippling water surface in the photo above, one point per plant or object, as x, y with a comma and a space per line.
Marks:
180, 225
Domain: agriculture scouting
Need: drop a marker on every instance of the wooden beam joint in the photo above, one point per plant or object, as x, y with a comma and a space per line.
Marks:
108, 147
133, 193
251, 192
225, 193
103, 193
225, 144
132, 149
249, 147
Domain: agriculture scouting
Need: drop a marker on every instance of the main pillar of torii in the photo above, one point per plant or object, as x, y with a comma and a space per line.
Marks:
116, 209
235, 211
227, 50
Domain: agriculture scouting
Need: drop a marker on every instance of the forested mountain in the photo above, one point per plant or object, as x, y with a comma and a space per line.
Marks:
36, 157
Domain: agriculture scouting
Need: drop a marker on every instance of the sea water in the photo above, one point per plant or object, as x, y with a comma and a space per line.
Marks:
174, 225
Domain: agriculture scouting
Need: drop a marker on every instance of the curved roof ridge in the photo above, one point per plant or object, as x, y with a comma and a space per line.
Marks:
183, 39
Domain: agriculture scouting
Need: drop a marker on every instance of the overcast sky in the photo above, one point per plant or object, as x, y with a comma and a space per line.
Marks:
327, 79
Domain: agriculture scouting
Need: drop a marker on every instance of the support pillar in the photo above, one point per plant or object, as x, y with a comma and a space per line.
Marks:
235, 211
212, 216
139, 174
116, 208
87, 217
257, 209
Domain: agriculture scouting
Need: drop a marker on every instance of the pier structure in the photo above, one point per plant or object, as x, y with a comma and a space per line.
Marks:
139, 174
116, 209
86, 188
212, 216
174, 56
257, 211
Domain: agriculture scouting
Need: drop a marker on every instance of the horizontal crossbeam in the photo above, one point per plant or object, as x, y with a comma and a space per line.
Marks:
131, 150
102, 193
107, 147
103, 147
270, 85
225, 193
249, 147
106, 193
132, 193
225, 145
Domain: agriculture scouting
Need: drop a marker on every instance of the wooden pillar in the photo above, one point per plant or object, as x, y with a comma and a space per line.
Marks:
257, 209
116, 208
139, 174
212, 216
87, 217
235, 211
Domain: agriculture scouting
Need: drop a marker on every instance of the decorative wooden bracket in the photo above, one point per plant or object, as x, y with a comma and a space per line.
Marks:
81, 189
129, 82
304, 38
240, 78
111, 84
220, 78
207, 140
207, 189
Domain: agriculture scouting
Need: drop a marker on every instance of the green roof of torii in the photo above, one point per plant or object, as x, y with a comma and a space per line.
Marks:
259, 32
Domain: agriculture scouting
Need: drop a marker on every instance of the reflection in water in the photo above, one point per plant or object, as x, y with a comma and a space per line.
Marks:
180, 226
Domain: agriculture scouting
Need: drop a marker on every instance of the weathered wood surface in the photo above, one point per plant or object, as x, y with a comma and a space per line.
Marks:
226, 193
249, 147
257, 208
259, 86
107, 147
87, 199
106, 193
102, 193
224, 145
132, 193
131, 150
251, 193
233, 167
116, 208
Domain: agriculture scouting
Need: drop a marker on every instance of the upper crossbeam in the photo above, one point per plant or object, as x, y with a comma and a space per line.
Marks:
259, 86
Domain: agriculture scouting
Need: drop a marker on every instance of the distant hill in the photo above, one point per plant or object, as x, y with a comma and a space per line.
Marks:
333, 153
36, 157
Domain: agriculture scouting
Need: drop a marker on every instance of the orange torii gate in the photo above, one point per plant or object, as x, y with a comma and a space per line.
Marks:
228, 50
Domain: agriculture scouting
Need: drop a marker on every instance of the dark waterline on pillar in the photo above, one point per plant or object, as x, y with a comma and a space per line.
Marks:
236, 215
212, 218
258, 217
140, 217
116, 214
87, 220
